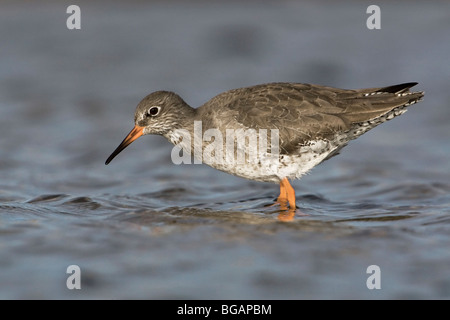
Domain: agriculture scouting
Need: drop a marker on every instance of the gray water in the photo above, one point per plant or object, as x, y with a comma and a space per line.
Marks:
143, 227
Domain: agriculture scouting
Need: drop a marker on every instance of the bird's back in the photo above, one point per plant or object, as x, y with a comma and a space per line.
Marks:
304, 111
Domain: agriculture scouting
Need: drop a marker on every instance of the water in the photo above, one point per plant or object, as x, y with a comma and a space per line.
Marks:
145, 228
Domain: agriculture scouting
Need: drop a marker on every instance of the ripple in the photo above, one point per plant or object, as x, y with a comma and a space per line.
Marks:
382, 218
166, 194
412, 191
83, 203
48, 198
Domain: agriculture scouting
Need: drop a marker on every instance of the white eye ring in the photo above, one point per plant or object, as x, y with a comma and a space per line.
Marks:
153, 111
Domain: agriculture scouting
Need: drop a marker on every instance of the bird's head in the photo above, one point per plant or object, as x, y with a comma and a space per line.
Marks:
158, 113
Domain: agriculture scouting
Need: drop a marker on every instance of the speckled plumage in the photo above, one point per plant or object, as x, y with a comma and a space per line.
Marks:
314, 122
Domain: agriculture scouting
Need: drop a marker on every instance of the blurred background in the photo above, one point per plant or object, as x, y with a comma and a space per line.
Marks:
143, 227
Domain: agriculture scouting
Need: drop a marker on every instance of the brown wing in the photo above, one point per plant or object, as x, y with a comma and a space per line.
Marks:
303, 111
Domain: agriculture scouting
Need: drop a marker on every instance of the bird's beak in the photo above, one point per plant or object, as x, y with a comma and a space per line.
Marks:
133, 135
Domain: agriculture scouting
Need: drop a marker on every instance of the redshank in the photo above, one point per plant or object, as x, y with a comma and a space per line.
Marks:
313, 123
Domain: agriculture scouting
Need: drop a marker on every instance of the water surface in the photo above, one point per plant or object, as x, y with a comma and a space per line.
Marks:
143, 227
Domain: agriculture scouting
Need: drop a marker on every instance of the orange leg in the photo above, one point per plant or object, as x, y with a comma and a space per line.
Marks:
287, 196
287, 193
283, 197
290, 193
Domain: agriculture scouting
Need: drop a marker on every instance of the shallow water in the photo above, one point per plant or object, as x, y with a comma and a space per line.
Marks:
145, 228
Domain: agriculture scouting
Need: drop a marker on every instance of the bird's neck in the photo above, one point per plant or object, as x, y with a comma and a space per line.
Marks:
187, 116
185, 124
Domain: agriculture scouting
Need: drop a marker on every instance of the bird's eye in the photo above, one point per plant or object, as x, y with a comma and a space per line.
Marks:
153, 111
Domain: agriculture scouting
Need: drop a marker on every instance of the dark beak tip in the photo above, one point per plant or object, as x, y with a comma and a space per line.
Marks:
110, 158
133, 135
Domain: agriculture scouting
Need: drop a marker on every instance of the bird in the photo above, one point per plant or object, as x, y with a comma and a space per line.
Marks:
305, 124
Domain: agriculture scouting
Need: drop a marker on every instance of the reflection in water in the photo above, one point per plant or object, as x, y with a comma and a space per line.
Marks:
286, 213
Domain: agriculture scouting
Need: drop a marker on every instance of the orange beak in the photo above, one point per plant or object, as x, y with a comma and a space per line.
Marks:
133, 135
